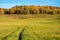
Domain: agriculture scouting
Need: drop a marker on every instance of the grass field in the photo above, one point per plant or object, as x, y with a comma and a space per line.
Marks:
41, 28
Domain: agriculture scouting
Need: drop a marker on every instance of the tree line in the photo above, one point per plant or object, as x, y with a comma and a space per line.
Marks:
33, 10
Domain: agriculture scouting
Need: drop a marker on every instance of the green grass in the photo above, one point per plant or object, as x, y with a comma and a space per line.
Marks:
42, 28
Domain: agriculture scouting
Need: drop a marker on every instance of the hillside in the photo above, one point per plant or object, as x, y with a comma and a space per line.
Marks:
20, 25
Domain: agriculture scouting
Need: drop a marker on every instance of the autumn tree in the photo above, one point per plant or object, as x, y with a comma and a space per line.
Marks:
58, 11
50, 12
33, 10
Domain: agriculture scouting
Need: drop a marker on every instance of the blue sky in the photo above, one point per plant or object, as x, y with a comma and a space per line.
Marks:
11, 3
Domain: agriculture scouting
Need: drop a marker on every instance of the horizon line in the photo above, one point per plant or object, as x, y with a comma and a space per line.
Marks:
28, 5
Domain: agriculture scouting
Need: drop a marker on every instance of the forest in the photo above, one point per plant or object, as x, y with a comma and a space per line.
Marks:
31, 10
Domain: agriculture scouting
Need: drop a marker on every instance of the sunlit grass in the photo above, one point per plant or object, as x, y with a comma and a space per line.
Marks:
43, 28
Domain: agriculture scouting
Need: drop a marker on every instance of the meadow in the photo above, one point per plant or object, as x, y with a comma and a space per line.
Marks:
29, 28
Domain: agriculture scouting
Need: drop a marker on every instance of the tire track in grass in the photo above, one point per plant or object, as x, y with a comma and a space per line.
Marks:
20, 35
5, 37
32, 32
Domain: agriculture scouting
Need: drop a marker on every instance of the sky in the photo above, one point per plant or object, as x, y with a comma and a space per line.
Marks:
11, 3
